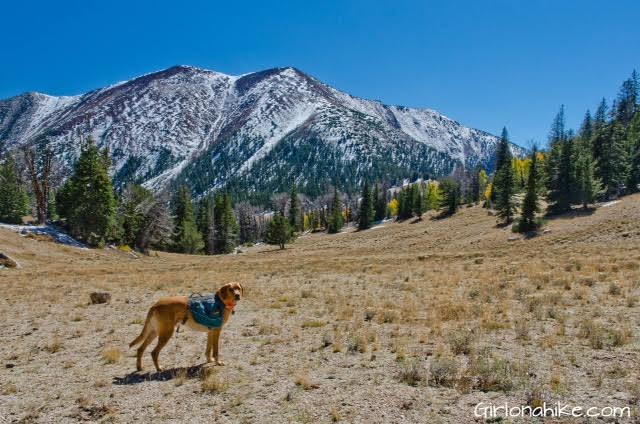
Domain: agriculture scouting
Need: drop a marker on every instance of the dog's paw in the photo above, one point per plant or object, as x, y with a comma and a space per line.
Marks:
220, 363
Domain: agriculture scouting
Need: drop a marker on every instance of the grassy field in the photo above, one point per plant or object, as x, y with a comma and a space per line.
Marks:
406, 322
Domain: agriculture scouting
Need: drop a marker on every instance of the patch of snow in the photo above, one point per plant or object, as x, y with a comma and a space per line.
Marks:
606, 205
54, 232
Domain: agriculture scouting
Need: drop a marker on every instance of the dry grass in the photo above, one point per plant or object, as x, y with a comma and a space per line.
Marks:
419, 320
212, 381
112, 355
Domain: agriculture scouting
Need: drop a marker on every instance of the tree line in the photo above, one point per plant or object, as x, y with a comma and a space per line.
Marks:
600, 161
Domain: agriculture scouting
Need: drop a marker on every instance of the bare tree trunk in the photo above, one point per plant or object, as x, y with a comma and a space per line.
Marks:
39, 174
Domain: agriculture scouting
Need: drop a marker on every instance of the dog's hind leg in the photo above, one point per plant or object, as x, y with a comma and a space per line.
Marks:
145, 330
164, 335
150, 337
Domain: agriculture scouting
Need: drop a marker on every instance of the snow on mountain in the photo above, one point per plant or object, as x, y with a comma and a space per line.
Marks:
254, 132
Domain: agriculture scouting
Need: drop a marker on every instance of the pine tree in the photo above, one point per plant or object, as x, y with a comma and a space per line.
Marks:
225, 225
557, 135
295, 212
562, 184
627, 102
450, 196
380, 203
365, 216
598, 134
13, 196
279, 231
187, 238
335, 220
503, 182
204, 221
587, 185
87, 201
613, 166
418, 206
530, 203
633, 182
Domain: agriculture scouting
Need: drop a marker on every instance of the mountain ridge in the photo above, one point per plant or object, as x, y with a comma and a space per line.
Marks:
210, 130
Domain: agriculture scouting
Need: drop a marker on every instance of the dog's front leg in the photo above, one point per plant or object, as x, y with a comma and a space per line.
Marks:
216, 339
209, 346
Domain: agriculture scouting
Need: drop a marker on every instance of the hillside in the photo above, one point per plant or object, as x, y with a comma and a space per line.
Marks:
250, 133
389, 324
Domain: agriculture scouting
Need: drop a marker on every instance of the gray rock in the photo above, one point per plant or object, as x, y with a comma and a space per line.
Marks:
100, 297
8, 262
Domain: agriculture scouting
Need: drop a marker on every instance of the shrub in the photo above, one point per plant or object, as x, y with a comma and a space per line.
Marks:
443, 370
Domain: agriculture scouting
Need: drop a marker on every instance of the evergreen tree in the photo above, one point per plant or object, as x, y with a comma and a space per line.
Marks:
627, 102
530, 203
295, 212
450, 196
204, 222
182, 206
279, 231
562, 184
187, 237
633, 182
13, 197
418, 206
365, 217
87, 201
598, 134
613, 165
557, 136
380, 203
225, 225
335, 221
587, 185
405, 202
503, 182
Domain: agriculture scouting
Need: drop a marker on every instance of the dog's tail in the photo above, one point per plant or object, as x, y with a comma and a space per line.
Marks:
145, 330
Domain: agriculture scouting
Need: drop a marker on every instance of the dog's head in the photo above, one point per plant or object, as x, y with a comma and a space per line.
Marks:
230, 294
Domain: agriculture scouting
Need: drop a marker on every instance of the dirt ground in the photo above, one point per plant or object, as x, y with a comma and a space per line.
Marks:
406, 322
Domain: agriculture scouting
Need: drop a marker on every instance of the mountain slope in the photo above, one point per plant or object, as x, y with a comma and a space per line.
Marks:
255, 132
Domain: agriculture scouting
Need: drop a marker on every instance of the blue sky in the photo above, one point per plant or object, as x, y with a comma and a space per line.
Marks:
486, 63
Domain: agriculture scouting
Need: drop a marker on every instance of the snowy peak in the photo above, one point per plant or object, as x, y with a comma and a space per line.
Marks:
253, 132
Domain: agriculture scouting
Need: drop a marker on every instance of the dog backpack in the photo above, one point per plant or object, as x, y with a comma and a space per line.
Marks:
207, 310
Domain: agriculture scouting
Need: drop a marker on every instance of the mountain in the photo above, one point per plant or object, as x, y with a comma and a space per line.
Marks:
251, 133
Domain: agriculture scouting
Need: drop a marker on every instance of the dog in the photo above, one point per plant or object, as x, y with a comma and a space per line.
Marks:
169, 312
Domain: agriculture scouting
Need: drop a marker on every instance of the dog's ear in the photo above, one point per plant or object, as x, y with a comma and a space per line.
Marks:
221, 291
241, 289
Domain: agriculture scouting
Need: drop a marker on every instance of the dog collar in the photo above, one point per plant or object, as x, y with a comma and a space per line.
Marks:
229, 306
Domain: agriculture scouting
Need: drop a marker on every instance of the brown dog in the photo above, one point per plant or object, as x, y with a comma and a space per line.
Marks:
167, 313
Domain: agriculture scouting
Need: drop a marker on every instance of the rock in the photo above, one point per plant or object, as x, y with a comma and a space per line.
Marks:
547, 231
8, 262
100, 297
9, 365
513, 238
